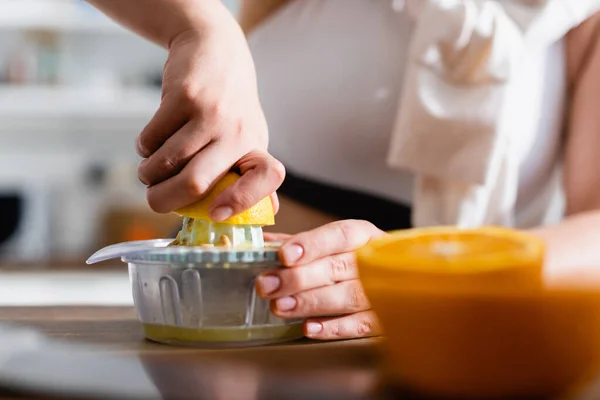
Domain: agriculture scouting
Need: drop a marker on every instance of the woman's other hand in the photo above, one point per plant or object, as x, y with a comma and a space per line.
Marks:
321, 281
209, 121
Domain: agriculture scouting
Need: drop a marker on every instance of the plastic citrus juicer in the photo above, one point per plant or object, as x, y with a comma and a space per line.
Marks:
198, 289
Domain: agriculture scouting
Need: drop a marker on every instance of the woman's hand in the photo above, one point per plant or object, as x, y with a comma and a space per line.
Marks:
209, 121
321, 281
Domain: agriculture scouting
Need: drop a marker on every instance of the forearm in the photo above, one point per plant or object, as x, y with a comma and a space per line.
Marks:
162, 20
254, 12
573, 247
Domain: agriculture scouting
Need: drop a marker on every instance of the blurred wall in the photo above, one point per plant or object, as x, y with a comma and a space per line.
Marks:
75, 90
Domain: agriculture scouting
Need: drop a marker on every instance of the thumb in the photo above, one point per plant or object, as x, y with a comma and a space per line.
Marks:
262, 175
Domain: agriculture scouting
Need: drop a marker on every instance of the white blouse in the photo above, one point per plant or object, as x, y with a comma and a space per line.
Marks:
330, 74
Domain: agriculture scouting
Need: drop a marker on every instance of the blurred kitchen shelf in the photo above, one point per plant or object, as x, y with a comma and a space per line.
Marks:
59, 15
42, 288
63, 101
100, 121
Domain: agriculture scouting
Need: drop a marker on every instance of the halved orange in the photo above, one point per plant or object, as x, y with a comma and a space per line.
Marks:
466, 315
444, 258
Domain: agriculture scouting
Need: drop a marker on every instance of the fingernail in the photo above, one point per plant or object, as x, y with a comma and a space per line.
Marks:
286, 303
268, 284
291, 253
220, 214
140, 176
313, 327
140, 148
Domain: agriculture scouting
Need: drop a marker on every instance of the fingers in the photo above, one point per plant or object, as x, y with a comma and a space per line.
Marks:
361, 324
193, 182
262, 175
323, 272
275, 237
342, 298
334, 238
173, 155
168, 119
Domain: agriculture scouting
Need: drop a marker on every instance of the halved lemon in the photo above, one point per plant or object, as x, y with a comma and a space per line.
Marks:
261, 214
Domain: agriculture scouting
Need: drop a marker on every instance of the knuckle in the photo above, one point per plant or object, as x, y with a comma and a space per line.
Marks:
366, 225
278, 170
167, 164
213, 111
158, 168
240, 127
336, 328
354, 233
339, 269
357, 298
308, 304
187, 95
359, 225
242, 198
344, 230
365, 325
368, 229
196, 186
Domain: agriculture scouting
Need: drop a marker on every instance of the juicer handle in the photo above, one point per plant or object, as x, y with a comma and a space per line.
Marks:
126, 249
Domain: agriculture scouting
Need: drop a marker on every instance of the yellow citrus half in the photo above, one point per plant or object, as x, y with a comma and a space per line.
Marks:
260, 214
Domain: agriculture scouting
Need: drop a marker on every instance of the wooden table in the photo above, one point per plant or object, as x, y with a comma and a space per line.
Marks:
300, 370
344, 369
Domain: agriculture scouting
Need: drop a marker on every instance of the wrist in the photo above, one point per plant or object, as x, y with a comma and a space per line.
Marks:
207, 19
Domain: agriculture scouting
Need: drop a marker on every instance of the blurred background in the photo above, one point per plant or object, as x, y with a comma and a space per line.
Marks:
75, 90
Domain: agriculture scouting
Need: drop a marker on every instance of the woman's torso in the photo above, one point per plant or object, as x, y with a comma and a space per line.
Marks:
330, 74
